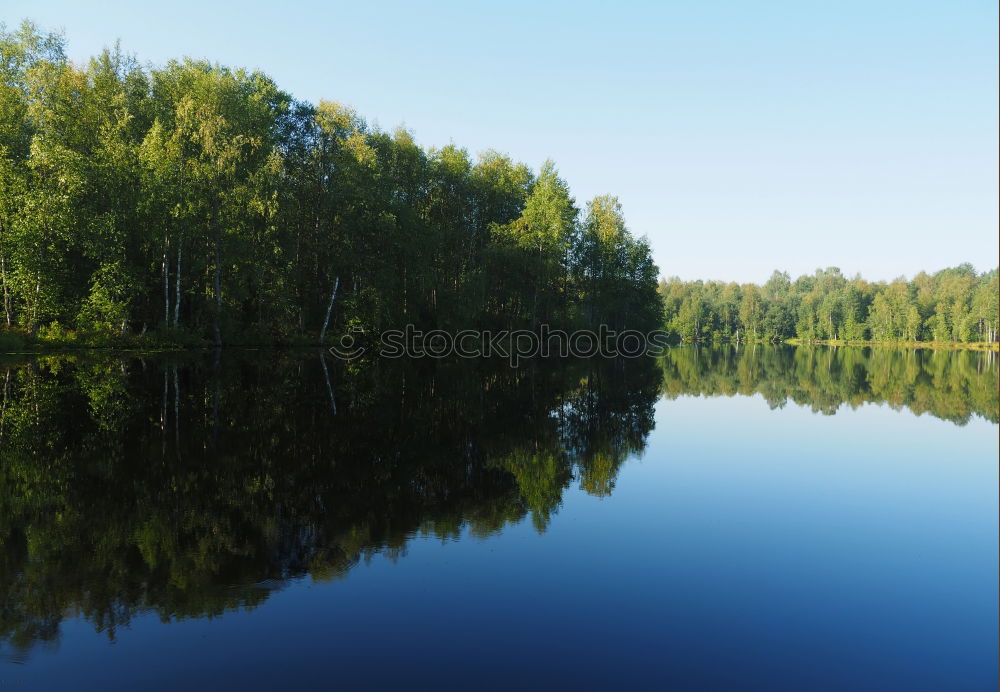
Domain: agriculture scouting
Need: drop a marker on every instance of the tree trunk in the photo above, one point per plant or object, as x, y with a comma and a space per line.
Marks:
166, 283
3, 410
329, 387
216, 322
177, 284
534, 308
329, 310
6, 289
34, 308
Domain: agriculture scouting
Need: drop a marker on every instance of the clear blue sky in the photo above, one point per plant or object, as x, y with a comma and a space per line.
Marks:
740, 136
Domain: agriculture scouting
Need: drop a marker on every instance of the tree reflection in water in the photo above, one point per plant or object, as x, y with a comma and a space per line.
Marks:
953, 385
189, 485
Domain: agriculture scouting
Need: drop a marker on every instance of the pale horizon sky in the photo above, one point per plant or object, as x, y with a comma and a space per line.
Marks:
740, 137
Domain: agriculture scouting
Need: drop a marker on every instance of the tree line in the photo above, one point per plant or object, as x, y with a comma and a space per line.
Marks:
952, 305
202, 200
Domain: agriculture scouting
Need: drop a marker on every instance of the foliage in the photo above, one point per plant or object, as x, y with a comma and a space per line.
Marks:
954, 305
202, 199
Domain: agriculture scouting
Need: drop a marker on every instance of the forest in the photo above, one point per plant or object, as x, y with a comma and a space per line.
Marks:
953, 305
195, 203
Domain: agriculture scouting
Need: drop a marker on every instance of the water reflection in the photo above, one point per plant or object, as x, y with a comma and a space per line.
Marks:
193, 485
953, 385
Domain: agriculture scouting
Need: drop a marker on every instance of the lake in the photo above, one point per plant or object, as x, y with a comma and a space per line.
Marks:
762, 518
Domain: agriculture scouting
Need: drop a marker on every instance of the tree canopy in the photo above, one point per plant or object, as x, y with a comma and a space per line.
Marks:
952, 305
203, 199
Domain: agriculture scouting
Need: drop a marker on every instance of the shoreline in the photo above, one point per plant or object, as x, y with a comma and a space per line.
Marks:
932, 345
983, 346
63, 347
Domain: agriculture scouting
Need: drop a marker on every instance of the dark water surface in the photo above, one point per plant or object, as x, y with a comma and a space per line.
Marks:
772, 518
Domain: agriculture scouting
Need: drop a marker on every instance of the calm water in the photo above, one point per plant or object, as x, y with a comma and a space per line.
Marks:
771, 518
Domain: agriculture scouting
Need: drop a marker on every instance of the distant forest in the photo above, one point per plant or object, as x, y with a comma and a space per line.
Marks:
952, 305
198, 201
